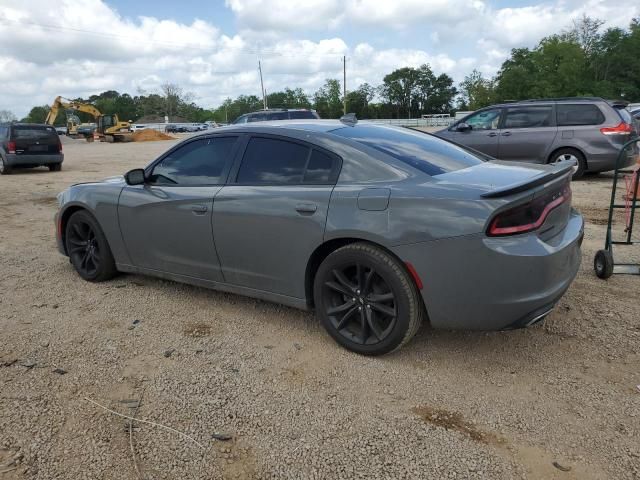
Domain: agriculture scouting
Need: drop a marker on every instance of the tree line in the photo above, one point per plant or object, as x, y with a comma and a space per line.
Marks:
583, 60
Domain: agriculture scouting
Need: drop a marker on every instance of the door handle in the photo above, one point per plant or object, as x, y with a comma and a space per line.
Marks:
506, 134
199, 209
492, 134
306, 208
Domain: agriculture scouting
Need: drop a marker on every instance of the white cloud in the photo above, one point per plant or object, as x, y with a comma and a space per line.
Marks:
83, 47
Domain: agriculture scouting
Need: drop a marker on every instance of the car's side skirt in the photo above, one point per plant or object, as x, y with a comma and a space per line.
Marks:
299, 303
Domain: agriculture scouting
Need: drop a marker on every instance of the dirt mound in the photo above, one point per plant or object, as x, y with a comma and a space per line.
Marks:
150, 135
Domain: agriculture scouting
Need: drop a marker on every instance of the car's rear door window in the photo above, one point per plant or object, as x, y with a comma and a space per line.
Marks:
199, 162
578, 114
528, 117
424, 152
277, 116
274, 161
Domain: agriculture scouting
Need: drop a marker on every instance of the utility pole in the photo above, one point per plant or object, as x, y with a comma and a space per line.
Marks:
344, 84
264, 98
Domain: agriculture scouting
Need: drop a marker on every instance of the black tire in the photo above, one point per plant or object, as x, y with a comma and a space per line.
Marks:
571, 153
385, 311
55, 167
603, 264
4, 168
88, 248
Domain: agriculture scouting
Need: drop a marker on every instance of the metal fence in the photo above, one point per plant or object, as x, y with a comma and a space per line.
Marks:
415, 122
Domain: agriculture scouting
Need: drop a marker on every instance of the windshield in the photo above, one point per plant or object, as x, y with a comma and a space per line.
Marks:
424, 152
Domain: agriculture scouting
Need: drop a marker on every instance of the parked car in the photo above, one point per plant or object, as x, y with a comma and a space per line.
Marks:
28, 145
175, 129
61, 130
278, 114
588, 131
86, 129
375, 227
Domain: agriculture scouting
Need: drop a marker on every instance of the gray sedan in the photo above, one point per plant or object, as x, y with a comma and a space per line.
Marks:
376, 228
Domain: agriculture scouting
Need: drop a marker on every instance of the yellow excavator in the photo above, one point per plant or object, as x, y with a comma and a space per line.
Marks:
108, 127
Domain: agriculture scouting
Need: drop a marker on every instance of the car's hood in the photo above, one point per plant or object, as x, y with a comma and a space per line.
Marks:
119, 179
498, 178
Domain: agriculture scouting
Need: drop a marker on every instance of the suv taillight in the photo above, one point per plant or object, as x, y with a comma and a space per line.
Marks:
11, 147
59, 146
622, 128
530, 216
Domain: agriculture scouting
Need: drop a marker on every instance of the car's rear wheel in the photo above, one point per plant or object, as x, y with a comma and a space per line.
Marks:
366, 300
88, 249
55, 167
571, 155
5, 169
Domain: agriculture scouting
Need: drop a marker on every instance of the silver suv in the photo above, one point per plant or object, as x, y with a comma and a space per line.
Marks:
588, 130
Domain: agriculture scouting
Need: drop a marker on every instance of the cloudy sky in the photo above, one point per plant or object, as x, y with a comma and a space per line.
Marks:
211, 47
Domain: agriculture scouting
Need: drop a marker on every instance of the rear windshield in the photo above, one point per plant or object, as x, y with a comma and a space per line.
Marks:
424, 152
301, 114
32, 132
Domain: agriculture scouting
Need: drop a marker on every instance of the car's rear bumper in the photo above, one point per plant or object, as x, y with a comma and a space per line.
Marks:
26, 160
477, 282
606, 161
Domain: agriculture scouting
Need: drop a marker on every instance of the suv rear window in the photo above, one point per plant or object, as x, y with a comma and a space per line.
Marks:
580, 114
422, 151
301, 115
33, 132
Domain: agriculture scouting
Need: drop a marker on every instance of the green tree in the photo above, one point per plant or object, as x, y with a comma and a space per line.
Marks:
37, 114
358, 100
476, 91
327, 100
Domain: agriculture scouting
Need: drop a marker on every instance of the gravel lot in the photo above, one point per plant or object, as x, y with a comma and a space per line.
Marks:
458, 405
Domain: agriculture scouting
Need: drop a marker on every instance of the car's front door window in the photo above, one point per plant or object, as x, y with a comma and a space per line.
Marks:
485, 120
200, 162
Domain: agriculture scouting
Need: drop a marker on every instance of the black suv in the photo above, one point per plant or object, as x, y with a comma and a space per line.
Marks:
29, 145
278, 114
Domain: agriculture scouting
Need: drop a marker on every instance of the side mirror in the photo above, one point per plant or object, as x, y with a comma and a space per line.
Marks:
463, 127
135, 177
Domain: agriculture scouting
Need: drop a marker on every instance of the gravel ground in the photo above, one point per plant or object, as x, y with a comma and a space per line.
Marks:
457, 405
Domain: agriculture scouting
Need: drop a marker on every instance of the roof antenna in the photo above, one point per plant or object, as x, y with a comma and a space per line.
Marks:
349, 119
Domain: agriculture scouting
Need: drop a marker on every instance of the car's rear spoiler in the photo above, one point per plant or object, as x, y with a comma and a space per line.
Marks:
559, 169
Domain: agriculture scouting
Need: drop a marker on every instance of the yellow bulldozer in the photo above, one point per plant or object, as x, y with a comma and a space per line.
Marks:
108, 127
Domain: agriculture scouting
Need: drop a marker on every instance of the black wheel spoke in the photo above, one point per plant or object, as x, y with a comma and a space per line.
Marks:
341, 308
85, 259
360, 277
391, 312
78, 231
78, 242
78, 249
339, 288
364, 326
372, 324
380, 297
343, 280
347, 316
366, 288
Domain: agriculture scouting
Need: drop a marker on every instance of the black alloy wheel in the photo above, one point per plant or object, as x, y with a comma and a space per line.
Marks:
366, 299
88, 249
360, 304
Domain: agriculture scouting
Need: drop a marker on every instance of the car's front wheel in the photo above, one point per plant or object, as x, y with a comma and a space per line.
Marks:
88, 249
366, 300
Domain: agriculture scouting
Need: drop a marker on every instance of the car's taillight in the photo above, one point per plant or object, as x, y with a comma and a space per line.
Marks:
11, 147
59, 146
530, 216
621, 129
